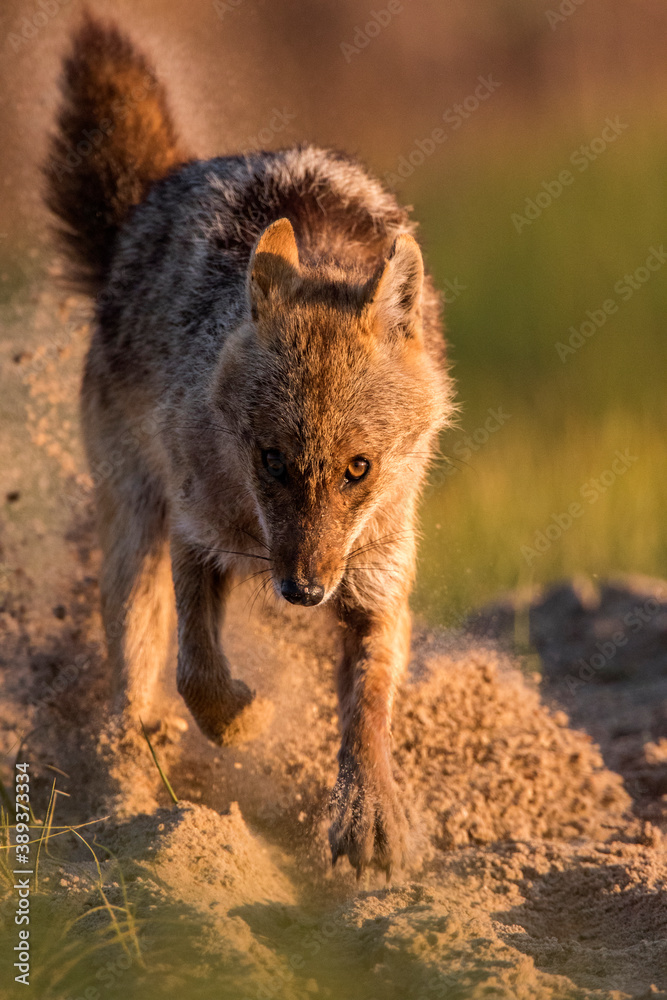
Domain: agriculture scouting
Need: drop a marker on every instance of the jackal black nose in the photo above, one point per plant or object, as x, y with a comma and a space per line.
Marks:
307, 594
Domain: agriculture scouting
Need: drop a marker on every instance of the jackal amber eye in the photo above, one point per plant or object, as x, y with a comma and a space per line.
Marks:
274, 463
357, 469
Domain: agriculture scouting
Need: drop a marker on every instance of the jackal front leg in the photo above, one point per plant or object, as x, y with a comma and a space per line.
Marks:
225, 709
368, 820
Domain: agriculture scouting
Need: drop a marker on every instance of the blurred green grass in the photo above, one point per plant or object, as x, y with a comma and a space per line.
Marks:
522, 293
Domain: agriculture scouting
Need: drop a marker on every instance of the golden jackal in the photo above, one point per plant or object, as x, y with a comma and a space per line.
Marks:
267, 317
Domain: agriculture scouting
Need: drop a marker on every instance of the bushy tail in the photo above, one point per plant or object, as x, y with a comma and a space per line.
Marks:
115, 138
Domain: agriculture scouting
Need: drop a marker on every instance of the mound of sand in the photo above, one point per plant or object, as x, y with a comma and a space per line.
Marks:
533, 877
603, 655
493, 763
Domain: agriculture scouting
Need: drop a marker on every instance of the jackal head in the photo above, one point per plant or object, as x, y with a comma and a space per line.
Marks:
333, 401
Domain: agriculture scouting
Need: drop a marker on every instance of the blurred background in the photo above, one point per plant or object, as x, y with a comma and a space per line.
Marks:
529, 136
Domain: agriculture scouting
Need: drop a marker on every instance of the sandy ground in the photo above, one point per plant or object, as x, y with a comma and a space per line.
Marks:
531, 748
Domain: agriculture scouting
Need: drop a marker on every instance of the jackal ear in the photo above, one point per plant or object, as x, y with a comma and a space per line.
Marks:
274, 263
395, 290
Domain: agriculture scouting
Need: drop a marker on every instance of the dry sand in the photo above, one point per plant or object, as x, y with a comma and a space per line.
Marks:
537, 799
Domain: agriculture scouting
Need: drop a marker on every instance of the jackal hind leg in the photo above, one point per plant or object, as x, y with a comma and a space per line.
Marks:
137, 595
138, 617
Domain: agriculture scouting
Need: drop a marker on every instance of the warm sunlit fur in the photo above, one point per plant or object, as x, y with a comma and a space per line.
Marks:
274, 302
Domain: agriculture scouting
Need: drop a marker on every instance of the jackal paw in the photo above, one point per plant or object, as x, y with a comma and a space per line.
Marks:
232, 718
368, 821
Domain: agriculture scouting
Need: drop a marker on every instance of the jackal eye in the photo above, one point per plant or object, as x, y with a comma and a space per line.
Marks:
274, 463
356, 469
